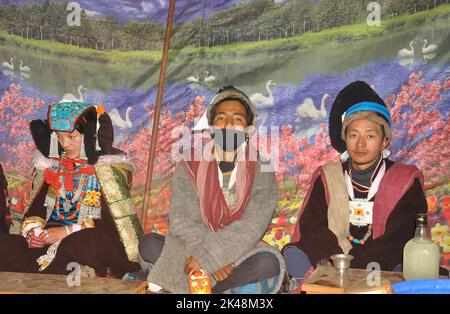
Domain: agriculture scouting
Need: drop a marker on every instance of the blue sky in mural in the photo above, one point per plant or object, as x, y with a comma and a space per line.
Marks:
125, 10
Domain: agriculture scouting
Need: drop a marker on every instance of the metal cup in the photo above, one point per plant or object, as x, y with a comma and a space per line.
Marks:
341, 261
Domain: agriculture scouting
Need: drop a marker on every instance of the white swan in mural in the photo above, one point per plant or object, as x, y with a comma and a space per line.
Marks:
209, 78
8, 66
193, 79
406, 53
428, 49
264, 102
70, 97
194, 82
24, 68
118, 121
307, 110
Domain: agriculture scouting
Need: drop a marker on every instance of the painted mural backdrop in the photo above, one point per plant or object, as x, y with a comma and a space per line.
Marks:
291, 57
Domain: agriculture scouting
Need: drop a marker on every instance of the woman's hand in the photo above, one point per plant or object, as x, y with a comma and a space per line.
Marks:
35, 241
54, 234
224, 272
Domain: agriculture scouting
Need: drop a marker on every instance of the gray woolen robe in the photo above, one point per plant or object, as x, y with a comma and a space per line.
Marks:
190, 236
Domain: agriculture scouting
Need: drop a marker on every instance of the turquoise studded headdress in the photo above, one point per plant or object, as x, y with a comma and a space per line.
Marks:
63, 117
90, 120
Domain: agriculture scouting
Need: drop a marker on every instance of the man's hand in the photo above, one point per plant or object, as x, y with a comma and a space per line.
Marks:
54, 234
35, 241
191, 264
224, 272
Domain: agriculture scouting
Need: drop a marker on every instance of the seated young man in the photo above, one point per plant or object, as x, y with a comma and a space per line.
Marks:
222, 204
365, 206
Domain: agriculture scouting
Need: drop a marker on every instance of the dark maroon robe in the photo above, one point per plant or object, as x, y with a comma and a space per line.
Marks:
319, 242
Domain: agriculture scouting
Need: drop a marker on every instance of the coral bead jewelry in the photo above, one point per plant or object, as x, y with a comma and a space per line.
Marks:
363, 240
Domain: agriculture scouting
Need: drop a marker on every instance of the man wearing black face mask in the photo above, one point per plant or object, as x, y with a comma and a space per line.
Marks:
220, 209
229, 119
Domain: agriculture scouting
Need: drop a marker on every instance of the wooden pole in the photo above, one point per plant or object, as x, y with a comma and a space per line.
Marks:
159, 99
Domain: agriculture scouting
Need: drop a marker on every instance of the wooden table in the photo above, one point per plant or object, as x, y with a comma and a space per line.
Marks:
13, 283
328, 280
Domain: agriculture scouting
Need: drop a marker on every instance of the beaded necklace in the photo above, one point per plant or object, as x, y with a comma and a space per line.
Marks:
70, 203
74, 203
364, 239
363, 189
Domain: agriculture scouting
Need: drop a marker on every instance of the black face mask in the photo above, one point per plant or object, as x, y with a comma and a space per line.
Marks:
228, 139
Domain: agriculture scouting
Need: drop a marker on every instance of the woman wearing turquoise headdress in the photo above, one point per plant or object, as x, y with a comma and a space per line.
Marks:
80, 210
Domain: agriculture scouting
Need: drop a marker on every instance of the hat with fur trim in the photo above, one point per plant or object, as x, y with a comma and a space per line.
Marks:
352, 100
232, 93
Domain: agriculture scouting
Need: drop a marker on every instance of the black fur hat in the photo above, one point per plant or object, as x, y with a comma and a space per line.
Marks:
355, 93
